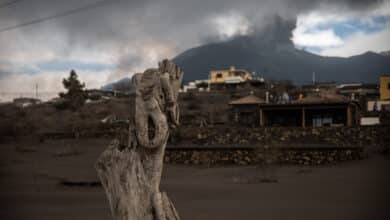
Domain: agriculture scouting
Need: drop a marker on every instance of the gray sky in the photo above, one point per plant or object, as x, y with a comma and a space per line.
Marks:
121, 37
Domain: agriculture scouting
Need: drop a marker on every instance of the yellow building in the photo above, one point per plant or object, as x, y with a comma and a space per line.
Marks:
232, 75
384, 89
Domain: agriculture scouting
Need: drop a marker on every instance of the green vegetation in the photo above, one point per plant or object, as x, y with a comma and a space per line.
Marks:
75, 97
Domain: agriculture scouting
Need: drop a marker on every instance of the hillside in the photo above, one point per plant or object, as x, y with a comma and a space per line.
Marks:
280, 60
270, 52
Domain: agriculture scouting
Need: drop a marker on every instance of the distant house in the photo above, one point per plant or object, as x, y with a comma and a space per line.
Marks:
230, 76
196, 86
246, 110
98, 93
312, 111
384, 87
319, 87
376, 106
358, 89
25, 102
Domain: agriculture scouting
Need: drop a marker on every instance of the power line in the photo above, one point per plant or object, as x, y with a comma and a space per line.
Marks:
63, 14
6, 4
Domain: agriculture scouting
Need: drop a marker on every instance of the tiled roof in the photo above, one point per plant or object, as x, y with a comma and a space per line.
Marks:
247, 100
324, 98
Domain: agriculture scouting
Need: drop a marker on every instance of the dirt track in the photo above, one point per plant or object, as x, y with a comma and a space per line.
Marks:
31, 174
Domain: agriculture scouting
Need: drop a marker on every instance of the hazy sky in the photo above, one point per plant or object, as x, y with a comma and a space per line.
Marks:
120, 37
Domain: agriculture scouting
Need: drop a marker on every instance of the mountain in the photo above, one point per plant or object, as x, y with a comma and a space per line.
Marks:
271, 53
123, 85
385, 53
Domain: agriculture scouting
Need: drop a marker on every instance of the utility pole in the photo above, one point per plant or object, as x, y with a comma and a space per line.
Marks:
36, 90
314, 78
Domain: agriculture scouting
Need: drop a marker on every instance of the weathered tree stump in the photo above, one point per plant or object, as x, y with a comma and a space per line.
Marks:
131, 174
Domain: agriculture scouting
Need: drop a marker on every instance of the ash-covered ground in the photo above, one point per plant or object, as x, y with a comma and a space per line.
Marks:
56, 180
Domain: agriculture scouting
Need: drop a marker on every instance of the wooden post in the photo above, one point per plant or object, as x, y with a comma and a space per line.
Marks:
131, 173
349, 116
261, 118
303, 118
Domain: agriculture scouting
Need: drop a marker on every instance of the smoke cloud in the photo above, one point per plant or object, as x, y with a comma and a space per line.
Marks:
131, 35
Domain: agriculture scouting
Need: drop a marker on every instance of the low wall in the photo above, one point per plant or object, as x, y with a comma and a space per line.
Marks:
262, 156
284, 136
306, 146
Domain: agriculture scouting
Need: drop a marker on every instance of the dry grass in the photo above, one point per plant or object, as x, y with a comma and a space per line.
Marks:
44, 118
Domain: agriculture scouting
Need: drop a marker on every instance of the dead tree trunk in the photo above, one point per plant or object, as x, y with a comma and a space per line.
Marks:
131, 174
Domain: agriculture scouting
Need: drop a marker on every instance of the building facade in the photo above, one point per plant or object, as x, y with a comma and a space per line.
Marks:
384, 88
308, 112
231, 75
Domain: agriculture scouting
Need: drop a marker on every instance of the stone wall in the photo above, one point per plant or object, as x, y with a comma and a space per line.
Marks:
275, 136
261, 156
306, 146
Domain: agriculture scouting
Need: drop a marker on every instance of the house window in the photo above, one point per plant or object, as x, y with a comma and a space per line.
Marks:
317, 121
219, 75
322, 120
327, 121
388, 86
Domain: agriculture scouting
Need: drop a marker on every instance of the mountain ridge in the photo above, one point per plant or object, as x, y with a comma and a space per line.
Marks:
280, 61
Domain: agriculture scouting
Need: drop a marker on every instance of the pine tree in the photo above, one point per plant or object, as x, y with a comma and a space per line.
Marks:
75, 95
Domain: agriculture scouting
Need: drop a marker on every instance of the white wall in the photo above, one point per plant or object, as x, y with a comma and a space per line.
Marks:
367, 121
370, 105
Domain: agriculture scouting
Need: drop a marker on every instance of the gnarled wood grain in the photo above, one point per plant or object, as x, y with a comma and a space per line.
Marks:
131, 175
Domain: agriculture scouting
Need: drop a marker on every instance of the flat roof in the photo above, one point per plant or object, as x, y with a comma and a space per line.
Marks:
228, 70
303, 104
